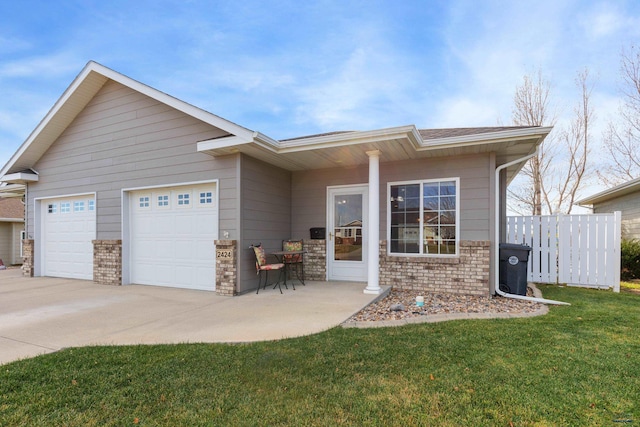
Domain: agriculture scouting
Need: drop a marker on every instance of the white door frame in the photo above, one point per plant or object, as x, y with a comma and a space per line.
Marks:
349, 270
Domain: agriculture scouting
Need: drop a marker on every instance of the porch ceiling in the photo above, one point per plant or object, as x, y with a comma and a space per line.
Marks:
348, 149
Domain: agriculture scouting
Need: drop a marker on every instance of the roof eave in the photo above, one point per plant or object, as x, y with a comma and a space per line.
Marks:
92, 68
611, 193
19, 178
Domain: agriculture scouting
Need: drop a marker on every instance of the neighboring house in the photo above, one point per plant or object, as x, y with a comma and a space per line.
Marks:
624, 198
11, 228
126, 184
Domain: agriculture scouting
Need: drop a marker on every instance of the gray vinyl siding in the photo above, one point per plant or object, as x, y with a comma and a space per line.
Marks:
309, 191
6, 232
629, 206
17, 229
265, 215
124, 139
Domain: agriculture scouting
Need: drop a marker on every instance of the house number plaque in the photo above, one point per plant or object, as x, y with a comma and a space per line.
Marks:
224, 253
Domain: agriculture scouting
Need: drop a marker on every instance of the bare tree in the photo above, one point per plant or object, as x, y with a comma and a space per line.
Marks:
531, 108
622, 138
553, 178
561, 187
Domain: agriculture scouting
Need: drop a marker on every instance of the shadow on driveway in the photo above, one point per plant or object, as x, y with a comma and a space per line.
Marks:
43, 314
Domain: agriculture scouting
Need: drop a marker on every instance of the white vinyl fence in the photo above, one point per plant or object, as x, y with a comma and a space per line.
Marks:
580, 250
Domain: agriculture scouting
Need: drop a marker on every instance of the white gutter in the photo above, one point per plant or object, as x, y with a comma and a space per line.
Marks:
496, 249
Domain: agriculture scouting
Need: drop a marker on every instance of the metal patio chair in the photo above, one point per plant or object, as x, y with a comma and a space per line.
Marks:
262, 266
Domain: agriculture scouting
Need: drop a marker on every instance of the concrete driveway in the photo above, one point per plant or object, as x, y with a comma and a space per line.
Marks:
43, 314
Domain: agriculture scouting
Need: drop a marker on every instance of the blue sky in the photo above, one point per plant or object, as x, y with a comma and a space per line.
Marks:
292, 68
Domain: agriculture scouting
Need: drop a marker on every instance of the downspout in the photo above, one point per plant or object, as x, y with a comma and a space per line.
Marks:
496, 249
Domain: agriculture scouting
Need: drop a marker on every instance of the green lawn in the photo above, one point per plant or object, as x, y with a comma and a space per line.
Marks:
576, 366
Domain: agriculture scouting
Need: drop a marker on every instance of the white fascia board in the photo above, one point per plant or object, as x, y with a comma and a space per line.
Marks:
350, 138
219, 143
11, 219
173, 102
617, 191
48, 117
19, 178
484, 138
107, 73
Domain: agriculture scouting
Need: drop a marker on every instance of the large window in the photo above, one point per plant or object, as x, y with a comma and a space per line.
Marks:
423, 217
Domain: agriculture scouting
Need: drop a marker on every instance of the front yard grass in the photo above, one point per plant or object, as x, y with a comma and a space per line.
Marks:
576, 366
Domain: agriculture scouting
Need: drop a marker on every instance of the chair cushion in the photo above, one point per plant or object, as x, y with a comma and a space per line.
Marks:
292, 245
261, 257
271, 267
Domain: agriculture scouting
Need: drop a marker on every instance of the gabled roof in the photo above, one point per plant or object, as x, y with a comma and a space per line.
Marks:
75, 98
11, 210
328, 150
623, 189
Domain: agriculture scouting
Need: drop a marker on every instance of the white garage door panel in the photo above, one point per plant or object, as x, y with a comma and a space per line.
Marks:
68, 228
172, 237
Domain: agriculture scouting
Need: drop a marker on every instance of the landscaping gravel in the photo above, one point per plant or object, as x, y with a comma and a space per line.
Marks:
401, 305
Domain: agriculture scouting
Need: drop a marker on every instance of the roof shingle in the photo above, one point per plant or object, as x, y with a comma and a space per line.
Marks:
11, 208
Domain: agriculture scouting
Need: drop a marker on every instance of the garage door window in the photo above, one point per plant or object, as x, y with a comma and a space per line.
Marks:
143, 202
206, 198
78, 206
163, 201
65, 207
52, 208
184, 199
91, 205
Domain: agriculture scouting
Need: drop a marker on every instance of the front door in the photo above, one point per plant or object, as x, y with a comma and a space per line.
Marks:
347, 236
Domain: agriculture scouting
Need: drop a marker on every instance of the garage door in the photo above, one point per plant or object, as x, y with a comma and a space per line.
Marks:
172, 234
68, 227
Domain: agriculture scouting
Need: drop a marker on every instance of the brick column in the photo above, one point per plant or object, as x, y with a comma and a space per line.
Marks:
315, 260
226, 267
107, 262
27, 257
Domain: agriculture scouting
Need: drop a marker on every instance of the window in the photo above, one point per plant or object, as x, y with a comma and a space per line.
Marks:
144, 201
424, 217
206, 198
52, 208
65, 207
183, 199
91, 205
163, 200
78, 206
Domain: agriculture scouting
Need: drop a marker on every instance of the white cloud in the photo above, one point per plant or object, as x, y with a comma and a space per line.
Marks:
43, 66
465, 112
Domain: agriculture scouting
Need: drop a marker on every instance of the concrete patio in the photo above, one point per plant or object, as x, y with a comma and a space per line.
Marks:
42, 315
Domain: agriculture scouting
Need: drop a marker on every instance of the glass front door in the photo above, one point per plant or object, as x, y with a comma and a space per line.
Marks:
347, 233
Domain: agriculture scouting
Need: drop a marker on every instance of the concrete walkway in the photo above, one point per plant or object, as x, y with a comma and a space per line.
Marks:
43, 315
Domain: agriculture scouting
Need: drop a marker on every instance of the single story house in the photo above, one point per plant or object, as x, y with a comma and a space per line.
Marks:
11, 230
126, 184
624, 198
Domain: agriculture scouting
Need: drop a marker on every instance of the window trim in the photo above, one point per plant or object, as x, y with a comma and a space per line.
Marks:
421, 183
210, 197
166, 198
140, 202
78, 206
180, 202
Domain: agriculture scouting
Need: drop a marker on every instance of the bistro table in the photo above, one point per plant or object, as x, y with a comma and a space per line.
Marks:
283, 256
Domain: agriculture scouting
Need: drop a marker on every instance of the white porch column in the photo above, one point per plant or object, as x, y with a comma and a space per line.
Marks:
373, 227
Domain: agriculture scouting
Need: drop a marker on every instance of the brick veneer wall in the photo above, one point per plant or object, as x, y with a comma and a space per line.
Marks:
27, 258
466, 274
107, 262
227, 268
315, 260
